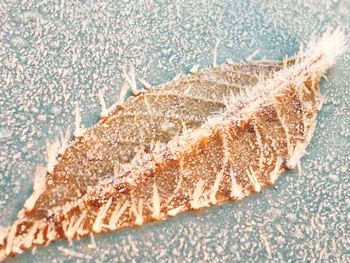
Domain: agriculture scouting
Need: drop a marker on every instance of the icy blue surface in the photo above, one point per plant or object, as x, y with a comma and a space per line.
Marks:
56, 53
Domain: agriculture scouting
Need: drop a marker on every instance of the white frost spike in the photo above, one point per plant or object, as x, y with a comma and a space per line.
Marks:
145, 83
216, 186
123, 91
285, 60
253, 180
300, 171
298, 152
64, 141
236, 189
93, 244
275, 173
130, 78
51, 233
10, 238
175, 211
137, 211
300, 148
104, 110
197, 193
79, 130
52, 152
38, 188
97, 226
117, 213
156, 202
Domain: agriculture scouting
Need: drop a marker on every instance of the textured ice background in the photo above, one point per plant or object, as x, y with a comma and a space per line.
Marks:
56, 53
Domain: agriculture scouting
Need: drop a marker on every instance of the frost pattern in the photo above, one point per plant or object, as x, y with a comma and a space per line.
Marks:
56, 53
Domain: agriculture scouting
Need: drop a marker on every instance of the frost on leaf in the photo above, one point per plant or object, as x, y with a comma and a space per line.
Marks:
206, 138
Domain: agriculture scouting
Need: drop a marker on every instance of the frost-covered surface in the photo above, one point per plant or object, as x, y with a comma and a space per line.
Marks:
55, 53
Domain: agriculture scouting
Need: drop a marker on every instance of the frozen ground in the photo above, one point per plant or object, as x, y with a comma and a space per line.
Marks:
55, 53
